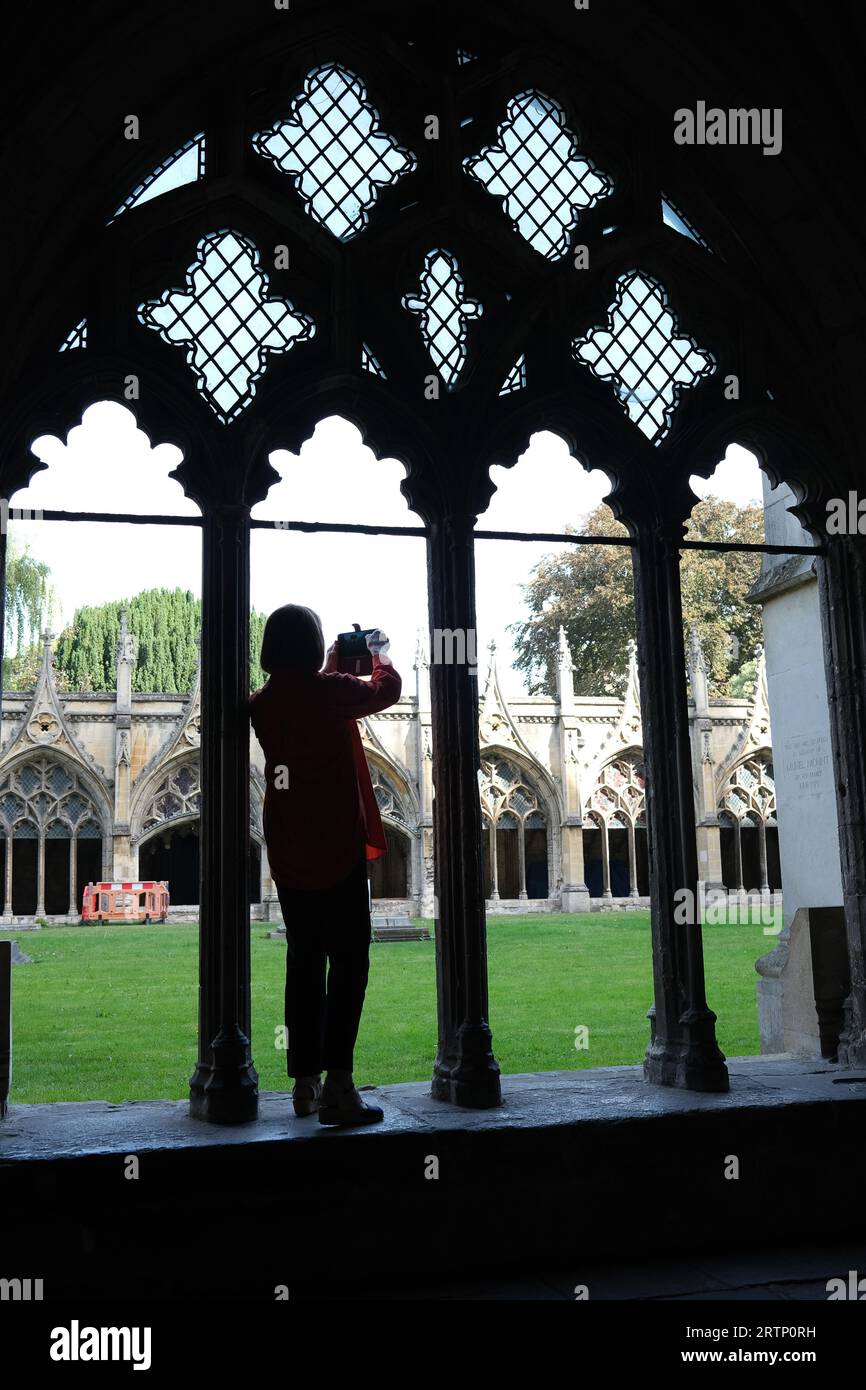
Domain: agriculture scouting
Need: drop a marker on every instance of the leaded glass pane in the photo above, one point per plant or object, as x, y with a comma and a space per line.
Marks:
27, 779
185, 165
334, 151
444, 311
58, 780
641, 353
76, 338
536, 170
89, 831
57, 831
226, 322
26, 830
516, 378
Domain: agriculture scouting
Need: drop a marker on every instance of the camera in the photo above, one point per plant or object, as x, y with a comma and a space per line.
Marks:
353, 654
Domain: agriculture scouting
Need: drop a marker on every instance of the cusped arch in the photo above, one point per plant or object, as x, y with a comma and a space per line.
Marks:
60, 790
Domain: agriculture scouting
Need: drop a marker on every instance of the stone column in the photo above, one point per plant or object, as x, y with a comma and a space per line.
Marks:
40, 876
7, 903
424, 755
683, 1049
605, 861
494, 864
224, 1087
465, 1071
842, 589
125, 653
521, 858
575, 894
632, 861
762, 852
73, 875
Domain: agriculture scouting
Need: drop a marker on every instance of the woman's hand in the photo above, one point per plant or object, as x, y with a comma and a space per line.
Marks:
331, 658
378, 644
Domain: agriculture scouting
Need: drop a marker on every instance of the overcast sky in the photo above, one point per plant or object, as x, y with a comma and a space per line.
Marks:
108, 464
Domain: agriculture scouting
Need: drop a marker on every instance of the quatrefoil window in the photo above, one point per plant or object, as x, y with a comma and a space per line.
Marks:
444, 312
536, 170
640, 352
226, 322
333, 149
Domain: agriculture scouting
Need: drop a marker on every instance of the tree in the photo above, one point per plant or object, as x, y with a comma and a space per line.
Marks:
166, 624
30, 603
588, 591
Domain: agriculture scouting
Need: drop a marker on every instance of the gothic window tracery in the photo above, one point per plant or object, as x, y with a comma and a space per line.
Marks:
535, 169
388, 797
516, 826
641, 352
334, 150
42, 793
226, 322
178, 797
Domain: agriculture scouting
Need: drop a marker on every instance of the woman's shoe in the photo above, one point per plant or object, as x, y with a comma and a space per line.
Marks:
348, 1107
307, 1095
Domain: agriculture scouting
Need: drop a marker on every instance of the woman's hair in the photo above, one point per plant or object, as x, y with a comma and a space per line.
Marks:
292, 640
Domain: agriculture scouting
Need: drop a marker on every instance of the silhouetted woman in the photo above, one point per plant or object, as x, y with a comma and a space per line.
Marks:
321, 824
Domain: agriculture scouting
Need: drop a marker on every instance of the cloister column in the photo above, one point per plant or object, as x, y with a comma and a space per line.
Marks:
683, 1049
465, 1071
40, 875
7, 899
224, 1087
494, 864
842, 590
762, 852
632, 861
738, 850
73, 875
521, 858
605, 861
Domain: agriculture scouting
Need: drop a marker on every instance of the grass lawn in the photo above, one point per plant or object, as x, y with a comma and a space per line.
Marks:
110, 1012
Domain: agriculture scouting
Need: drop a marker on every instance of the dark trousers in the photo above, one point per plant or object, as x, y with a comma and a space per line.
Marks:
325, 926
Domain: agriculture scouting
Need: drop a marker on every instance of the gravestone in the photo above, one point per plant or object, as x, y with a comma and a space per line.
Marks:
18, 956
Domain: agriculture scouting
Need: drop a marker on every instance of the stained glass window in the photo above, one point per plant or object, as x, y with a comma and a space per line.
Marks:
225, 321
537, 172
639, 350
334, 151
444, 311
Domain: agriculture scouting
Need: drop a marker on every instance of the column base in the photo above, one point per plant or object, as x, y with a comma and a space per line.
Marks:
574, 897
226, 1093
470, 1077
691, 1066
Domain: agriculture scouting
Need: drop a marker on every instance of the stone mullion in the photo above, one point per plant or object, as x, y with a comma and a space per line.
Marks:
465, 1071
842, 589
632, 859
7, 905
73, 874
521, 857
494, 863
683, 1049
40, 875
762, 851
224, 1088
605, 859
738, 846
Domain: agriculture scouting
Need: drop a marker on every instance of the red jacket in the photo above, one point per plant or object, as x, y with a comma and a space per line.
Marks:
326, 818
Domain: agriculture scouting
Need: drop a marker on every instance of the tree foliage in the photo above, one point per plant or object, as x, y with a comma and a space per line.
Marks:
165, 624
30, 603
588, 590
